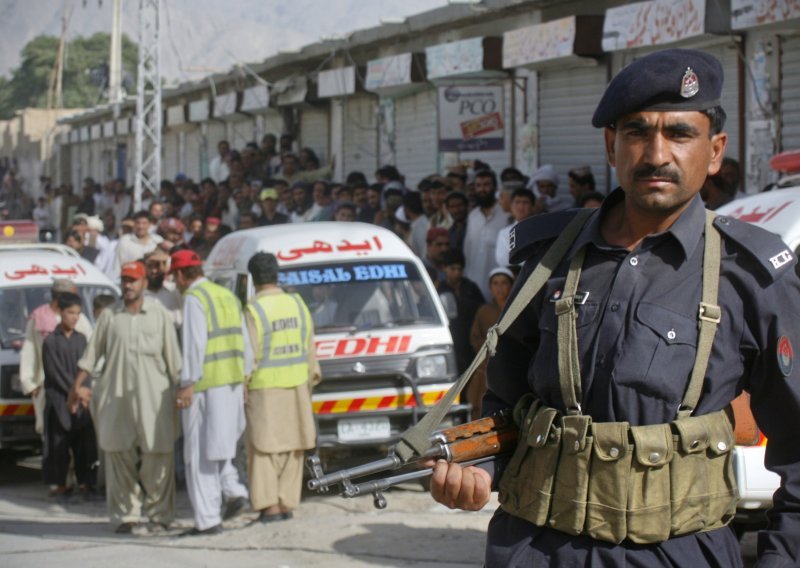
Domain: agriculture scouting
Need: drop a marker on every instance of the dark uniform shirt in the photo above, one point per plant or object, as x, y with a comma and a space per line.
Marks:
637, 337
60, 355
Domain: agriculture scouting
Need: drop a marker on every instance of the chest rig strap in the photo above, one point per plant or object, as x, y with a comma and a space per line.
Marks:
416, 439
709, 316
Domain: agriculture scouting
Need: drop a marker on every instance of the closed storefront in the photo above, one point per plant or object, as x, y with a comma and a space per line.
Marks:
728, 55
567, 99
170, 154
273, 123
215, 133
415, 136
315, 131
193, 146
790, 93
360, 135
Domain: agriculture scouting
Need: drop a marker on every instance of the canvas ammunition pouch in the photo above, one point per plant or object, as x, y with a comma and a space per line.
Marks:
613, 481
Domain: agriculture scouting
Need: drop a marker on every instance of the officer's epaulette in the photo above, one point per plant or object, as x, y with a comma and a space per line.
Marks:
528, 234
769, 251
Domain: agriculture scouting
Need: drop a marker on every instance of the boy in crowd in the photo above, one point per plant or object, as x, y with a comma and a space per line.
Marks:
66, 433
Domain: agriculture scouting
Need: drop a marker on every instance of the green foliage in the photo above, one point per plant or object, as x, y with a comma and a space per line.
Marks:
83, 80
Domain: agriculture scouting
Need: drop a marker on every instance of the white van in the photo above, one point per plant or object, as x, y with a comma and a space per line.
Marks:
27, 271
382, 336
778, 211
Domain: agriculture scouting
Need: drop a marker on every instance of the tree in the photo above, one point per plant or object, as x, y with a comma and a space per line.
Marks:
85, 76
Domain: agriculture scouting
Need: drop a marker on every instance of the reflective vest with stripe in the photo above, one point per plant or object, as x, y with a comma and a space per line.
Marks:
224, 356
283, 325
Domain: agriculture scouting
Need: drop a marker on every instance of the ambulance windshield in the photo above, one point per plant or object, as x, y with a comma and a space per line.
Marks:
362, 295
17, 304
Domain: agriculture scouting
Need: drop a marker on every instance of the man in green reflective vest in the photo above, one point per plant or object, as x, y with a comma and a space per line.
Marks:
216, 352
280, 418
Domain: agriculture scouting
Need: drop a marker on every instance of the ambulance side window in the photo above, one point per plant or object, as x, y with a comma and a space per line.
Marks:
241, 288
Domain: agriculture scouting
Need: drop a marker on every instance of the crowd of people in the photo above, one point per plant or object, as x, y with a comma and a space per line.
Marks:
459, 224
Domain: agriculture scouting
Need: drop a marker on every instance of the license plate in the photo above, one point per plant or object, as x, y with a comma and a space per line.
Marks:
360, 429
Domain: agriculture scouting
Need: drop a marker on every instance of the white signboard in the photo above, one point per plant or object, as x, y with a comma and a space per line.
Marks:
95, 132
454, 58
108, 129
471, 118
199, 110
541, 42
224, 105
653, 23
175, 115
750, 13
255, 98
337, 82
123, 126
389, 71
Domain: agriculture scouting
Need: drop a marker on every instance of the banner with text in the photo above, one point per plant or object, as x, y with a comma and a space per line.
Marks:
471, 118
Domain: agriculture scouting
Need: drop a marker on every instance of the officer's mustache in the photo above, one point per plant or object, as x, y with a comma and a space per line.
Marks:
663, 172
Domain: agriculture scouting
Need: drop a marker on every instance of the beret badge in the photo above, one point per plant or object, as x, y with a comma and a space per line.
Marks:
690, 85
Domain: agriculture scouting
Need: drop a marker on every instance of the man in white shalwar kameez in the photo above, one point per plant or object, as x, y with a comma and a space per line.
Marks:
216, 358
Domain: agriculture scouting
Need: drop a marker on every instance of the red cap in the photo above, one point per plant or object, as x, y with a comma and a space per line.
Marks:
184, 259
135, 270
213, 221
435, 232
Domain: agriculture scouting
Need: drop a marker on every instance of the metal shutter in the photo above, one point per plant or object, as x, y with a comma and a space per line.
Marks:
242, 131
273, 123
360, 146
314, 132
728, 56
500, 159
194, 145
790, 94
169, 155
567, 139
415, 136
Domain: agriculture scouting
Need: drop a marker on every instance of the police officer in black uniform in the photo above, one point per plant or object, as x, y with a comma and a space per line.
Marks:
637, 325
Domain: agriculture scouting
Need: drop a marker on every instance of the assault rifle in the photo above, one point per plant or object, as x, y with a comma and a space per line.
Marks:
468, 444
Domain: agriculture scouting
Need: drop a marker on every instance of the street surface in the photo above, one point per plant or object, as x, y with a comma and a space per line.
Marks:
326, 531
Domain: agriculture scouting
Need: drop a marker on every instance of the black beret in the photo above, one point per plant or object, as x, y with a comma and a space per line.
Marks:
668, 80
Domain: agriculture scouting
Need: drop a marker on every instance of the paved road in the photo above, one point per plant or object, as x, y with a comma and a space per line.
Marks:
327, 531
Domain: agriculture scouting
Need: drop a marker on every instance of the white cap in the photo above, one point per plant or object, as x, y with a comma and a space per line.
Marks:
501, 270
400, 215
95, 224
546, 173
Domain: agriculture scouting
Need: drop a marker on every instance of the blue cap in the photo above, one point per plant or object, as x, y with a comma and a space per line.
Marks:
668, 80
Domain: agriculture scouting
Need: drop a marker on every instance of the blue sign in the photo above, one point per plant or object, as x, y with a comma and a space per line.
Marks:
339, 274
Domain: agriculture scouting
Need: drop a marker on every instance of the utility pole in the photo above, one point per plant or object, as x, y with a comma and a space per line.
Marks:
115, 63
148, 103
54, 96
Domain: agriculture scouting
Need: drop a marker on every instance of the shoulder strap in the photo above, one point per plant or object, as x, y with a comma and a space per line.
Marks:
417, 439
709, 316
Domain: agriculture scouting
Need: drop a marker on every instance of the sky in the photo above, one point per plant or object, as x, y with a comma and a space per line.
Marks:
202, 36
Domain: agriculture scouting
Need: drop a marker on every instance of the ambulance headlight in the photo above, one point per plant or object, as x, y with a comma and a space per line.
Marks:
432, 366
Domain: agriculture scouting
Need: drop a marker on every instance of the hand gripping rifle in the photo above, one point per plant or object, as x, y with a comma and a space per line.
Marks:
468, 444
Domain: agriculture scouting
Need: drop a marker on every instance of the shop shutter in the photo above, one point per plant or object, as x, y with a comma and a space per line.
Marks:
415, 142
314, 132
790, 94
567, 139
360, 146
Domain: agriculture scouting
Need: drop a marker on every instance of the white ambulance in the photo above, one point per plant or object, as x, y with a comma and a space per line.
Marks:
382, 335
778, 211
27, 270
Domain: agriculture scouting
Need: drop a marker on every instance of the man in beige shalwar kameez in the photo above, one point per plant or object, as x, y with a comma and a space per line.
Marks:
133, 403
280, 418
